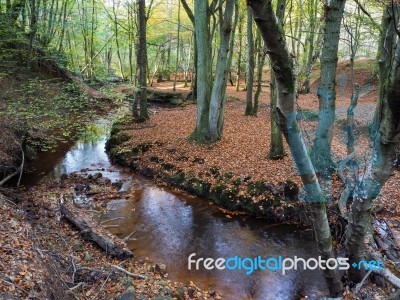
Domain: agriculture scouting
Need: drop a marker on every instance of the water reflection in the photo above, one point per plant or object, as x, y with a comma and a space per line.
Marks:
170, 226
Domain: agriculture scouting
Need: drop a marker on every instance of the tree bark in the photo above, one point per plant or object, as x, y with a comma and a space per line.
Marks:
141, 88
321, 152
283, 67
260, 65
221, 74
250, 64
201, 132
276, 150
105, 240
385, 135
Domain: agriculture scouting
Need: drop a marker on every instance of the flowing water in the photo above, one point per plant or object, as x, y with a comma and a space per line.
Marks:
169, 226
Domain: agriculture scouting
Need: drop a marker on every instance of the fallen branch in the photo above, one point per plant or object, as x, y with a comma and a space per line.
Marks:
110, 220
125, 239
388, 275
129, 273
9, 177
359, 286
105, 240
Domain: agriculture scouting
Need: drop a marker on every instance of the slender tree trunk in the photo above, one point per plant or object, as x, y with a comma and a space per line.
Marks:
321, 151
116, 33
274, 39
250, 65
219, 87
313, 9
177, 46
32, 29
230, 57
260, 65
141, 89
276, 150
239, 50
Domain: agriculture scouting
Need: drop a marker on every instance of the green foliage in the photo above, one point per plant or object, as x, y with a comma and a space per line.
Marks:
50, 111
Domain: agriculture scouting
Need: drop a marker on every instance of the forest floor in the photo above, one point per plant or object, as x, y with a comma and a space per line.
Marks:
42, 255
243, 150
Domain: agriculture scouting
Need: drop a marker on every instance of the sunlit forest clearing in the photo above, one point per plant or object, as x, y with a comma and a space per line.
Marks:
144, 142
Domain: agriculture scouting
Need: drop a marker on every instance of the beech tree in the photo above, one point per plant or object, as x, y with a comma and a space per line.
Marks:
321, 151
141, 84
283, 68
385, 136
276, 150
211, 97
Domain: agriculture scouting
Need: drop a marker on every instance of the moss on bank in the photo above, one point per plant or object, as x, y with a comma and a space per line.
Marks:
259, 198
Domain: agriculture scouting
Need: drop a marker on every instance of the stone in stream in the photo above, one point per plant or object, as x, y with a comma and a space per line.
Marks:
125, 187
118, 184
97, 176
80, 187
103, 181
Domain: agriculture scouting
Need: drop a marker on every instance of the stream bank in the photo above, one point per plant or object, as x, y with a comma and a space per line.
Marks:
277, 202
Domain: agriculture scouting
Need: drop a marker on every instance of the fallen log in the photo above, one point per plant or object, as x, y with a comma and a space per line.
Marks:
107, 241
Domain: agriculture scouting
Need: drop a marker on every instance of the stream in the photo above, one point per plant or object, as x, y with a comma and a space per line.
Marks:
170, 226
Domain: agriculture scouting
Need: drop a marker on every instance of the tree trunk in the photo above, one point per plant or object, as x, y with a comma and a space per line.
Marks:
283, 67
177, 46
385, 136
250, 65
230, 57
201, 132
276, 150
321, 151
141, 89
221, 74
260, 65
239, 50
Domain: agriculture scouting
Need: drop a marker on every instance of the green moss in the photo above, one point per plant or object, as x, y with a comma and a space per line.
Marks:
117, 139
144, 147
198, 187
227, 175
225, 196
168, 166
199, 160
291, 190
257, 188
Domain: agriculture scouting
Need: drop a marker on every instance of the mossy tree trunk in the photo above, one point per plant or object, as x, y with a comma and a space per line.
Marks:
250, 64
230, 57
283, 67
276, 150
221, 75
141, 86
385, 135
260, 66
321, 151
210, 97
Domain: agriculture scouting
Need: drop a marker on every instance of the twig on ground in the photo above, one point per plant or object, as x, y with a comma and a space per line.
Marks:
129, 273
359, 285
125, 239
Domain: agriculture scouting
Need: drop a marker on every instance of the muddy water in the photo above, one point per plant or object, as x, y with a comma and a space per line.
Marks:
169, 226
